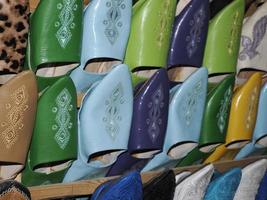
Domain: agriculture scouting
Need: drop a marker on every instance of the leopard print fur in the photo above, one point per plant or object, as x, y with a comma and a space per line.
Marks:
14, 25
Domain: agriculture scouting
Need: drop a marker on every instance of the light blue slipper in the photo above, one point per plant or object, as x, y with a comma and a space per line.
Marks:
106, 30
184, 125
104, 123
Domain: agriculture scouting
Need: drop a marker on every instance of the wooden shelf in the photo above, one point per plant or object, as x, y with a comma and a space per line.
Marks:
88, 187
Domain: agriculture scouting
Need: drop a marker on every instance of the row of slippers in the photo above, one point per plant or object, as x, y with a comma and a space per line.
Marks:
205, 184
104, 120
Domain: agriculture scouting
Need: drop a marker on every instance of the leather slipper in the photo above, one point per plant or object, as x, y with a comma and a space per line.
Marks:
106, 30
183, 127
54, 141
106, 110
215, 121
253, 45
258, 143
18, 107
150, 115
189, 37
242, 120
150, 36
243, 112
221, 54
55, 37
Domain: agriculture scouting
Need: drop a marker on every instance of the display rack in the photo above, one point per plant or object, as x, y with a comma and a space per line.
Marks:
87, 187
81, 188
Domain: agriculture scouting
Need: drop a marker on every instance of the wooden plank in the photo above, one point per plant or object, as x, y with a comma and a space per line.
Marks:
88, 187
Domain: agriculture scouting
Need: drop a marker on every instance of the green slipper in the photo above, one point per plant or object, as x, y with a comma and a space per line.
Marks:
55, 36
54, 142
150, 35
223, 40
216, 115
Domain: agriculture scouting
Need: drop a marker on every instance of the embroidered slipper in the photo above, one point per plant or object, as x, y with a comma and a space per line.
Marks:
243, 112
161, 187
195, 185
215, 121
14, 29
250, 181
149, 50
127, 187
54, 141
253, 45
126, 163
242, 120
262, 193
10, 189
189, 38
106, 110
259, 143
55, 37
220, 55
148, 127
184, 127
106, 30
224, 187
150, 116
18, 107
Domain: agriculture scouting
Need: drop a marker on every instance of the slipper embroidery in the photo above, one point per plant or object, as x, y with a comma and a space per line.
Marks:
112, 111
190, 104
63, 118
18, 105
250, 44
234, 32
197, 24
155, 109
222, 116
65, 23
252, 106
112, 22
165, 18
